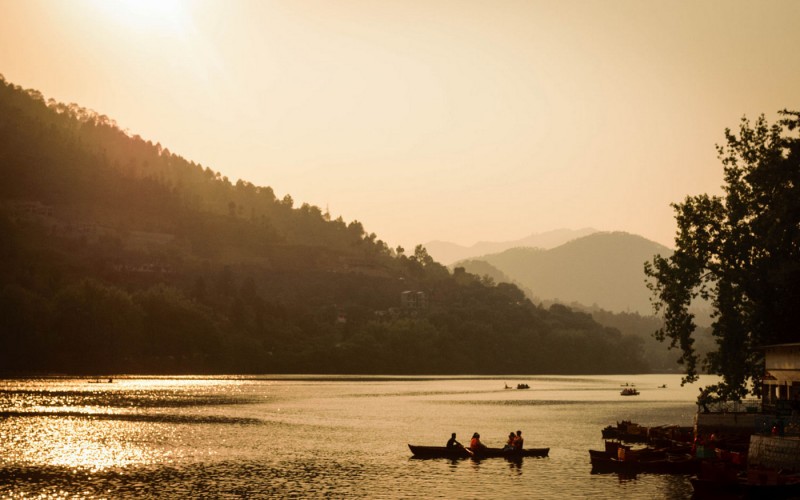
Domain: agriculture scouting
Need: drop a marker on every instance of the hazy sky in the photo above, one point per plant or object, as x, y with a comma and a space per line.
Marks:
454, 120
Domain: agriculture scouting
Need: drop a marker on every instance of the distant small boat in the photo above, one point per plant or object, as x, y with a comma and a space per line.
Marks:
629, 392
98, 381
523, 386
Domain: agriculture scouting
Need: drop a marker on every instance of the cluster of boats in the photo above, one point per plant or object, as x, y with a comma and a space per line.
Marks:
667, 450
718, 468
621, 458
662, 435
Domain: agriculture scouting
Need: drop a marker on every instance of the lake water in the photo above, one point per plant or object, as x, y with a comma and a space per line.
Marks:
336, 437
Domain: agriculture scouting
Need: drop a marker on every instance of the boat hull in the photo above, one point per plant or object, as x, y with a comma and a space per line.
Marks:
443, 452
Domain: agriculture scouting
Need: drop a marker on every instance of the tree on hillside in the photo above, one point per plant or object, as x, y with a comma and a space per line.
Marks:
742, 252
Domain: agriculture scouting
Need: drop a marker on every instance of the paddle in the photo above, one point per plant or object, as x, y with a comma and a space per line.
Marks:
470, 452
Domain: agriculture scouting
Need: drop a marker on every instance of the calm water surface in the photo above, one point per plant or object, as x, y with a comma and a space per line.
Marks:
334, 437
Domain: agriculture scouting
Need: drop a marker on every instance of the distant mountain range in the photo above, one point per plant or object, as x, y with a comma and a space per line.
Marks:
603, 269
447, 252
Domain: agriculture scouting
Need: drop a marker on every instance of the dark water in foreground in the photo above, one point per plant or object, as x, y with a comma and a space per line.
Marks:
333, 437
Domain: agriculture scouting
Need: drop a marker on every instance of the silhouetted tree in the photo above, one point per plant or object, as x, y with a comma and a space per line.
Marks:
742, 251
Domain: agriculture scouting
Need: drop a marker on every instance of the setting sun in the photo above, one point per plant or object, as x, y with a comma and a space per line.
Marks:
164, 16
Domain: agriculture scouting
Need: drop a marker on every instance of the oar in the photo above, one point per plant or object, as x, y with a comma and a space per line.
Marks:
470, 452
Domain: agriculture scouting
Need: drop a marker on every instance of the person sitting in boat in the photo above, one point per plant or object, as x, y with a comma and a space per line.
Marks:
518, 441
510, 443
452, 443
475, 443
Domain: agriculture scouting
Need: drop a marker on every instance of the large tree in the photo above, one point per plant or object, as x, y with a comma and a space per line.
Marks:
741, 251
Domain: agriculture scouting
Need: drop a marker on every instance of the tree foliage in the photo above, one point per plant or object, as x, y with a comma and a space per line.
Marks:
741, 251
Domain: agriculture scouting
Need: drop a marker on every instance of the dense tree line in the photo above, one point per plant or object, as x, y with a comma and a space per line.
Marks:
117, 255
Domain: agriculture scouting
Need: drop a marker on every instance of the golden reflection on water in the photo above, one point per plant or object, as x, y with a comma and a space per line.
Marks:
94, 427
82, 443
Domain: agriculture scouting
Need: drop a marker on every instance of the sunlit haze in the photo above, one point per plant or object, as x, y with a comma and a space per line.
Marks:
429, 120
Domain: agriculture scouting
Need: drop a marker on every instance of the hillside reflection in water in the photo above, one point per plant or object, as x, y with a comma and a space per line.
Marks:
322, 436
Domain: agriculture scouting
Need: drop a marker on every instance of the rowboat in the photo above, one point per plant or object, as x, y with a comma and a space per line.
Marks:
458, 452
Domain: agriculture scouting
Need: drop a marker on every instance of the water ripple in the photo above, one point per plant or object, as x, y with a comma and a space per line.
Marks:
115, 398
222, 479
136, 417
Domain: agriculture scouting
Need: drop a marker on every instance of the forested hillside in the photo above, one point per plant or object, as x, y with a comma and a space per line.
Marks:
118, 256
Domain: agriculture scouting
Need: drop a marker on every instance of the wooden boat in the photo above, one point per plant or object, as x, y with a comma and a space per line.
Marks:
612, 450
444, 452
617, 457
628, 391
626, 431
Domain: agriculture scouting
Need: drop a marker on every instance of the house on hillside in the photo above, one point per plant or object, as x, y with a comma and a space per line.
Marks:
413, 300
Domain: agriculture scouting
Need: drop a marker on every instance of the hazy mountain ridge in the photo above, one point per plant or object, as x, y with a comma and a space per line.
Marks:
448, 253
604, 269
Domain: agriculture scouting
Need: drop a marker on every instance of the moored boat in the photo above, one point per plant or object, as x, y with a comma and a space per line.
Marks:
621, 458
626, 431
